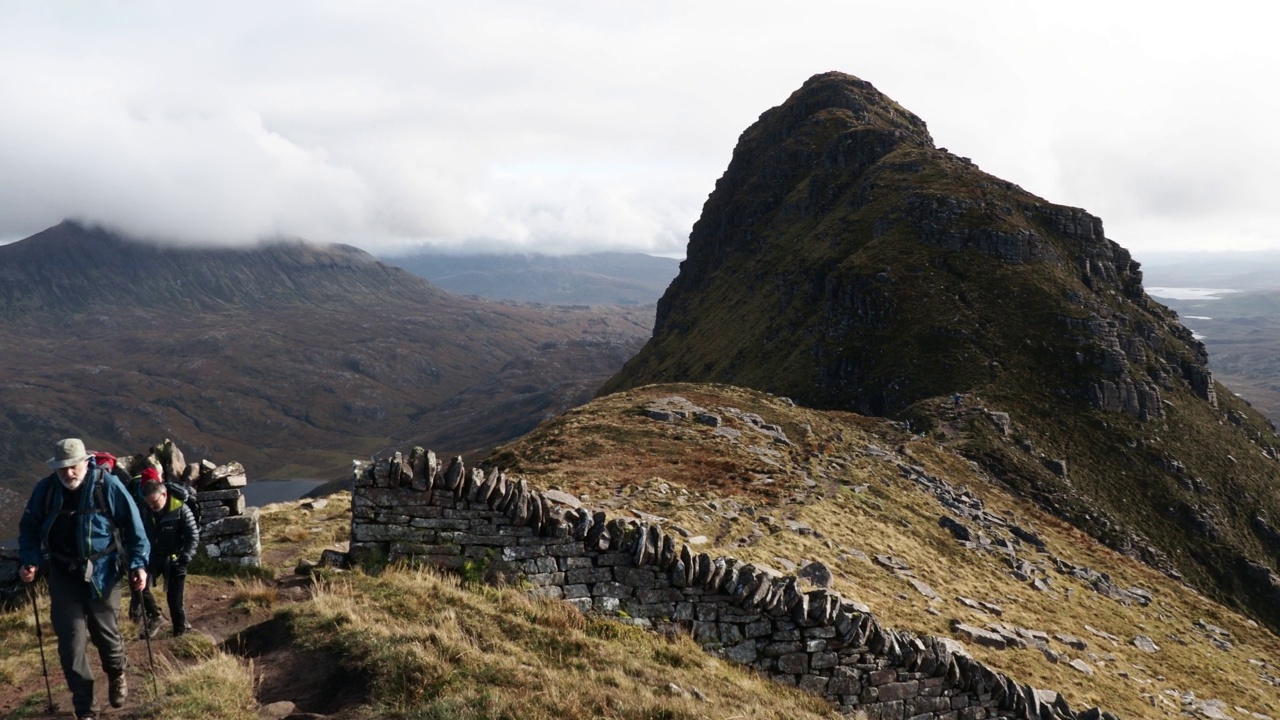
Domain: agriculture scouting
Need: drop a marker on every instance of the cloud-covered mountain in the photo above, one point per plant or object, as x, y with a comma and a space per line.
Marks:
292, 358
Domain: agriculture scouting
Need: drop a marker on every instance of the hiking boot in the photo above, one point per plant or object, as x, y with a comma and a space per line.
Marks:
118, 690
151, 627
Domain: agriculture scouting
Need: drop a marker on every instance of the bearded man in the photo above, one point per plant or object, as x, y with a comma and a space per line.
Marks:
83, 531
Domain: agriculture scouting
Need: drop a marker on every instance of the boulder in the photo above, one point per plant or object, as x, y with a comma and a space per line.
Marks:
816, 573
1146, 644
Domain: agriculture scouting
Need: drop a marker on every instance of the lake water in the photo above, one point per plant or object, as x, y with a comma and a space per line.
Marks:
265, 492
1184, 293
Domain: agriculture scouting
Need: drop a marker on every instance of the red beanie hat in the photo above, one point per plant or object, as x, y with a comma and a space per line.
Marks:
150, 474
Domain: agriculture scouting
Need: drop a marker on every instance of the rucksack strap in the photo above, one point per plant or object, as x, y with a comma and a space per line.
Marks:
99, 508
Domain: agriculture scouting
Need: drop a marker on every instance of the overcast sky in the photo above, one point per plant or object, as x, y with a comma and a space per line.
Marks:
585, 126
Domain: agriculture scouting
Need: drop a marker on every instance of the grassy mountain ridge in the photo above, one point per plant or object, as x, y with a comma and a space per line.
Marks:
777, 484
76, 268
845, 262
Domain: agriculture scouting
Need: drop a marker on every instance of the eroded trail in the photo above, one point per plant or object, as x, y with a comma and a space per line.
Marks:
217, 609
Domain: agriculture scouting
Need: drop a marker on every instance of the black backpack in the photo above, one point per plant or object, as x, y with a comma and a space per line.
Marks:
187, 495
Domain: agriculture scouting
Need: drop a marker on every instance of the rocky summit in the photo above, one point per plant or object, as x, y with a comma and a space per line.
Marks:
846, 262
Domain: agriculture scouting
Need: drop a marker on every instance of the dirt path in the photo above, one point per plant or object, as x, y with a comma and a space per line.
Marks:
210, 611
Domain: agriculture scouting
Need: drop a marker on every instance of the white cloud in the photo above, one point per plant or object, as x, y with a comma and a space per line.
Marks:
576, 125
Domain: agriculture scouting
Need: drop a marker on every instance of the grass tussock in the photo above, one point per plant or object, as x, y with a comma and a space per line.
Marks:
434, 647
220, 687
193, 646
254, 594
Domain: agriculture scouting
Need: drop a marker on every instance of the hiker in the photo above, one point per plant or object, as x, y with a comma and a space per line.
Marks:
82, 529
171, 527
175, 490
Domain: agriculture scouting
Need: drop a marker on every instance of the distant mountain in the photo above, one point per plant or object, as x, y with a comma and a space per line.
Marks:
73, 267
592, 279
292, 358
846, 262
1256, 270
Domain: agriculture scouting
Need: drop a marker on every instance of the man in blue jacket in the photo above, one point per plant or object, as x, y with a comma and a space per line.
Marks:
82, 528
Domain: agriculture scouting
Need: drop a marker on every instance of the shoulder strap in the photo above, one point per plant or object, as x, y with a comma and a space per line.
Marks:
101, 508
48, 497
100, 497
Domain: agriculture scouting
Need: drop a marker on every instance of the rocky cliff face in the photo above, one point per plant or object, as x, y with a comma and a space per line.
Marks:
846, 262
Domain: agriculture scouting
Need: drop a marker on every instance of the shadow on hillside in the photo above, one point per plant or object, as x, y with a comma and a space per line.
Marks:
315, 680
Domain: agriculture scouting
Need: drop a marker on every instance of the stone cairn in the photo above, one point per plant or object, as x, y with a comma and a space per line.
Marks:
228, 530
416, 509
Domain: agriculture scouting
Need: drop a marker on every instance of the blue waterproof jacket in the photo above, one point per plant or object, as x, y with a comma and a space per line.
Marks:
93, 530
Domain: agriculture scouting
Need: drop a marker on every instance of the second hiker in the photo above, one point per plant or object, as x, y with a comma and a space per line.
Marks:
174, 535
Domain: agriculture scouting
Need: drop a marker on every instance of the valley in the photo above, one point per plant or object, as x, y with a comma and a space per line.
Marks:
293, 380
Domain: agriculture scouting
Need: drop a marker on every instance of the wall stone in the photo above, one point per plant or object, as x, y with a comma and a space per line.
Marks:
229, 531
416, 509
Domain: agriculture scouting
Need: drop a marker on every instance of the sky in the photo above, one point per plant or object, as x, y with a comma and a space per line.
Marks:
567, 126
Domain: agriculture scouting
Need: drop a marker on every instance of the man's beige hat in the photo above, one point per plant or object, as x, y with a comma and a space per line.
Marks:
67, 453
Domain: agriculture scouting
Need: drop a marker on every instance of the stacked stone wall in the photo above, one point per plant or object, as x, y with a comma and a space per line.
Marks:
229, 531
415, 509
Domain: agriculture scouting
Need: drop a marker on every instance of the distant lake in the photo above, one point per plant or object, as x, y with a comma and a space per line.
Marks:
1185, 293
265, 492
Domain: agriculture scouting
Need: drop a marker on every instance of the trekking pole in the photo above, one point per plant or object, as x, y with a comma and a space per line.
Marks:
146, 633
40, 639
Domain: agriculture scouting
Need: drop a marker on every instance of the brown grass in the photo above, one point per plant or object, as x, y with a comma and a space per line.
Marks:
253, 593
19, 651
219, 687
291, 533
438, 649
893, 516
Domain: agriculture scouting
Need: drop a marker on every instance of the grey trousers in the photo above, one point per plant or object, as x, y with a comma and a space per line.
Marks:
78, 617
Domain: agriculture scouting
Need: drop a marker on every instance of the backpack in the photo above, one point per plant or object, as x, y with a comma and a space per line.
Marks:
100, 508
107, 462
187, 495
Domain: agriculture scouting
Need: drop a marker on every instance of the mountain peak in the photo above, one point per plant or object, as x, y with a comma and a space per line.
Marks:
853, 100
846, 263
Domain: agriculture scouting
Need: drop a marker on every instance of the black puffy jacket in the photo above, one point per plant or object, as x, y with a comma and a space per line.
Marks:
173, 533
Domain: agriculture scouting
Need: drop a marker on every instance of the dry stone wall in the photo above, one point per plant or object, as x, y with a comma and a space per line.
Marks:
229, 531
414, 508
